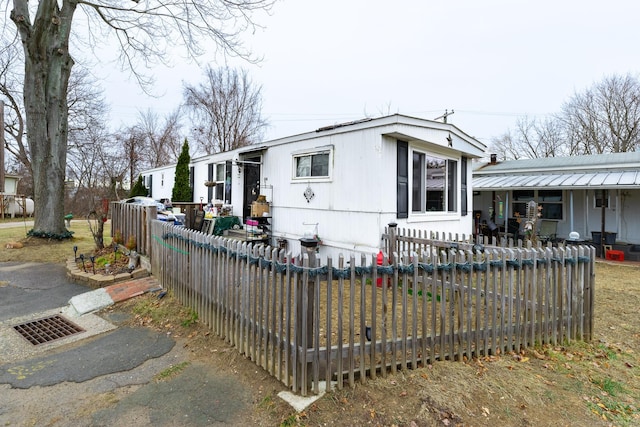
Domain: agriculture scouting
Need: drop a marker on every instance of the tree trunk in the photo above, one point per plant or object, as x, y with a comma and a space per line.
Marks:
47, 70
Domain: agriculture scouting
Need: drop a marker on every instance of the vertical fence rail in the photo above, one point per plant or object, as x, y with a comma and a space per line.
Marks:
304, 321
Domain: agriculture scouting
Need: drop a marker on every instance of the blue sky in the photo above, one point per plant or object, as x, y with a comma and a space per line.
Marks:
492, 61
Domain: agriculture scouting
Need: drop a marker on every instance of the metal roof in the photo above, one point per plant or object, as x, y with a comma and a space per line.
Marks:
609, 161
605, 171
608, 180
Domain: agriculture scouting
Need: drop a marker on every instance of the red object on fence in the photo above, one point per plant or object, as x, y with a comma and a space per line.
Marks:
379, 262
613, 255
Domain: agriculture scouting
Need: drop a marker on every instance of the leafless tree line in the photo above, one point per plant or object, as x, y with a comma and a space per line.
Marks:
604, 118
223, 112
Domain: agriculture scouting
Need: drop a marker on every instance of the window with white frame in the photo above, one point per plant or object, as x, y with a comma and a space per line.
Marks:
434, 183
222, 178
312, 165
219, 180
601, 197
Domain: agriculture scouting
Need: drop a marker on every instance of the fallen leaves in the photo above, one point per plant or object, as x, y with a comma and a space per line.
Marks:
538, 355
520, 358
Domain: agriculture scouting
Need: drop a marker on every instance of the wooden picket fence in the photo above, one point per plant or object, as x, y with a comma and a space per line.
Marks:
133, 220
346, 320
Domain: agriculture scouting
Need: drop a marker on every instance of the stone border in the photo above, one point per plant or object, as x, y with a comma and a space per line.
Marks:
100, 280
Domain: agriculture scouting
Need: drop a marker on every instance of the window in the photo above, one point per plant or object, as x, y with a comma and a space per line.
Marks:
601, 197
219, 194
520, 200
550, 200
220, 175
434, 184
223, 172
452, 180
312, 165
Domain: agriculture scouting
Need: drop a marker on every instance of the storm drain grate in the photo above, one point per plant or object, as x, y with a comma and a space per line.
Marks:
48, 329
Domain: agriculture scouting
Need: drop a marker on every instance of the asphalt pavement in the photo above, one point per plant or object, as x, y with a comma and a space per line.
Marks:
27, 288
106, 375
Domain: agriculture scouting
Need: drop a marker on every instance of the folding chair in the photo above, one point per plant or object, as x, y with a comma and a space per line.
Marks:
548, 231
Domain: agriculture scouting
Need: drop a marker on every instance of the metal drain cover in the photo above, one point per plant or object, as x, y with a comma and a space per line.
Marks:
48, 329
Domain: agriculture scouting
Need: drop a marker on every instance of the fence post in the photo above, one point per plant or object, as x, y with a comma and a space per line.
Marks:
309, 245
393, 240
152, 213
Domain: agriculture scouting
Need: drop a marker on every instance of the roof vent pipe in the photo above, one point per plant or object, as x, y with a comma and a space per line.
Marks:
494, 159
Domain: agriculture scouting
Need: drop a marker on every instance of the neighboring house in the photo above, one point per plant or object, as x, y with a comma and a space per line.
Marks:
578, 193
344, 183
12, 203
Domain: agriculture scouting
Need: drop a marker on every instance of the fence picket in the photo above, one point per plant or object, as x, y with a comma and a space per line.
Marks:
352, 311
340, 309
363, 321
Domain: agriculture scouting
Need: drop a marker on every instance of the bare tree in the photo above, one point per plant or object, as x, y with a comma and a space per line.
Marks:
149, 143
161, 137
10, 88
531, 139
87, 116
226, 110
144, 30
604, 118
504, 147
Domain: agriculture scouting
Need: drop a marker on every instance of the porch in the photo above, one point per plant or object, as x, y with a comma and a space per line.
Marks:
596, 197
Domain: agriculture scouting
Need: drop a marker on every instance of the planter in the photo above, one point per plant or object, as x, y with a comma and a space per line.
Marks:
609, 238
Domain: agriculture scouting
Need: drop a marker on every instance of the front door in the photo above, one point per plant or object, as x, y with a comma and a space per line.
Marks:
251, 184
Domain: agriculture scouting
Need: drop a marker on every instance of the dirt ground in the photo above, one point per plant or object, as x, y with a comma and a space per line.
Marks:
575, 384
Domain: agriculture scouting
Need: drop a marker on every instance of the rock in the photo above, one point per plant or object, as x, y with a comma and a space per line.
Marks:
133, 260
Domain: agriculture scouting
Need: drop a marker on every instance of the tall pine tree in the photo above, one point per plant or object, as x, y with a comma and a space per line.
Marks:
182, 191
139, 189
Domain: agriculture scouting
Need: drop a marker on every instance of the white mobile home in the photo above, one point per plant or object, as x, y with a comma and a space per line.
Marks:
345, 183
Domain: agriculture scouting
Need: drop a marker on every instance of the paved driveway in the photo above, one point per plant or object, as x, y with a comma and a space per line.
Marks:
109, 376
32, 287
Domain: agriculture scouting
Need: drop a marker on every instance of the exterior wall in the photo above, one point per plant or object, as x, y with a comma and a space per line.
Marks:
620, 217
350, 208
201, 174
353, 207
161, 182
10, 185
13, 205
